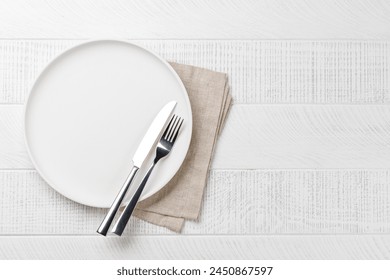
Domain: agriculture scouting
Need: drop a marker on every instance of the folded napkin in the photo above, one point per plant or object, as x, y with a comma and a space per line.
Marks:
181, 198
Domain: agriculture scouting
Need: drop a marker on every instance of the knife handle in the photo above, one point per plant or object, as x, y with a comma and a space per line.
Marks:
106, 223
121, 223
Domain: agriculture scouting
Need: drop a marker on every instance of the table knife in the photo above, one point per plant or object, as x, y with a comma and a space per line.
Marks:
148, 142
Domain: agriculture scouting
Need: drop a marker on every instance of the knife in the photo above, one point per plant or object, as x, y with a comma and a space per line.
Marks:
147, 143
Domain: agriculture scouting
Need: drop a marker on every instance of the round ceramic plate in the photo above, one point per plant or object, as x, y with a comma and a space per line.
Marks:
88, 111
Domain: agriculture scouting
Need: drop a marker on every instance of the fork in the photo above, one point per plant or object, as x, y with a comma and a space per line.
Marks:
162, 150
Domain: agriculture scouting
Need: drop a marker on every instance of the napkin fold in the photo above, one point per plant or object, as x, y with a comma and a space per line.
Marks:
181, 198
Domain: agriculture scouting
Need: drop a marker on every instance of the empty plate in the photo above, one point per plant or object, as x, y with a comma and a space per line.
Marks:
88, 111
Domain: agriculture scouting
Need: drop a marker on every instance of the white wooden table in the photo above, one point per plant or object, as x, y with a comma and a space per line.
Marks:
302, 169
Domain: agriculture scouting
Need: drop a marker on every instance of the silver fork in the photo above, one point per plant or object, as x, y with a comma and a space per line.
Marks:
163, 148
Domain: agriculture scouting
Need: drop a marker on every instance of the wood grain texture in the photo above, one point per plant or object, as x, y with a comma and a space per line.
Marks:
236, 202
197, 247
13, 152
235, 19
305, 136
267, 136
259, 71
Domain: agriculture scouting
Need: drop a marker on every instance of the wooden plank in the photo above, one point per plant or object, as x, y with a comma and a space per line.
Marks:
305, 136
267, 136
13, 152
236, 202
197, 247
259, 71
237, 19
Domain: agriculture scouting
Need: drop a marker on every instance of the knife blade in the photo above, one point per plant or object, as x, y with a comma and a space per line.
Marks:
153, 133
148, 142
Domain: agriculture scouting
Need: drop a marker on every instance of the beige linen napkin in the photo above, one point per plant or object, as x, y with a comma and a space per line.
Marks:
181, 198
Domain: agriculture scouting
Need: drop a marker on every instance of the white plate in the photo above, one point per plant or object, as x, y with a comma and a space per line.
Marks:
87, 113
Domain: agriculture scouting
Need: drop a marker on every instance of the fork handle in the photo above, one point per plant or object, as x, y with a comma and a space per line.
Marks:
121, 223
105, 225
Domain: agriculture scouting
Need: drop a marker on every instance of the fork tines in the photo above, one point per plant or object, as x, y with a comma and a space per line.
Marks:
172, 130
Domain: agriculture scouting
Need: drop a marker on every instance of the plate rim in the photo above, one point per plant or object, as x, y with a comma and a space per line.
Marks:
45, 69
